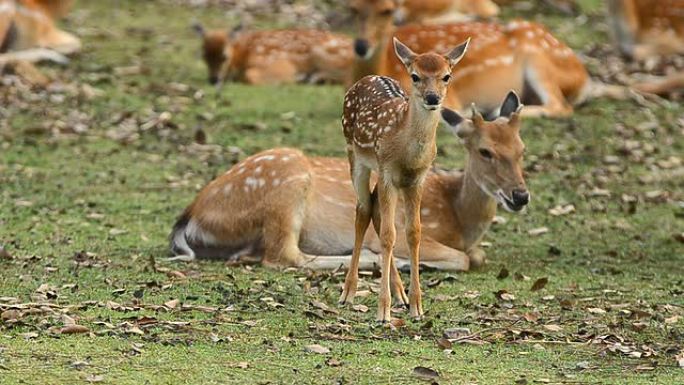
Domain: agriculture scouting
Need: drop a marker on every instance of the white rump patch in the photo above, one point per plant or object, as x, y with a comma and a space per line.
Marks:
195, 233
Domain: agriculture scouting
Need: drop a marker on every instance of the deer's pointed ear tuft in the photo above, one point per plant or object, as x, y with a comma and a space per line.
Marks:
235, 31
403, 52
455, 55
198, 28
476, 117
510, 105
458, 124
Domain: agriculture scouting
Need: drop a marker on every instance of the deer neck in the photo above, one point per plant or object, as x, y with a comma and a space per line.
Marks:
422, 123
473, 207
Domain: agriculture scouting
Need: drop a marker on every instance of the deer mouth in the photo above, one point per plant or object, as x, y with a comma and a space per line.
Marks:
509, 204
431, 107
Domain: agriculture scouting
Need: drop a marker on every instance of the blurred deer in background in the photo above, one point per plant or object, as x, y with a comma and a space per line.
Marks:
276, 57
443, 11
648, 28
520, 56
28, 31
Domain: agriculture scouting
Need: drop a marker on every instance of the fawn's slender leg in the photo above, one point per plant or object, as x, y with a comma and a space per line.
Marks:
412, 196
388, 235
395, 278
364, 209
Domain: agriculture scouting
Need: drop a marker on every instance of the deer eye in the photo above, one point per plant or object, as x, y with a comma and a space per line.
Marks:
387, 12
486, 153
446, 78
415, 78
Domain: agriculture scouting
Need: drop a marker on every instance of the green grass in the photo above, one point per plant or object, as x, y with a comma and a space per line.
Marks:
64, 194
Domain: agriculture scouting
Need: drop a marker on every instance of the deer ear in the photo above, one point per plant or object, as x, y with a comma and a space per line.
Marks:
476, 117
404, 53
198, 28
458, 124
235, 31
510, 105
455, 55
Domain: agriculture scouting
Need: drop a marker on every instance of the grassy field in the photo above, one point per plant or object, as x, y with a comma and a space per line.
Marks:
93, 172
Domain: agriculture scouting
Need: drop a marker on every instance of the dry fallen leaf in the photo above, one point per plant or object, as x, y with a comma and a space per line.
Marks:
538, 231
396, 323
455, 333
424, 373
74, 329
562, 210
680, 359
316, 348
360, 308
539, 284
553, 328
94, 378
444, 343
596, 310
11, 315
172, 304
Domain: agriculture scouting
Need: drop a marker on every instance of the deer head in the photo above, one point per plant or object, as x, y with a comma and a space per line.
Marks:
374, 19
216, 49
495, 152
430, 73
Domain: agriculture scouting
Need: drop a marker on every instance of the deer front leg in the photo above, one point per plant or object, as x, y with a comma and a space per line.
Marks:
412, 196
477, 257
388, 235
395, 278
364, 209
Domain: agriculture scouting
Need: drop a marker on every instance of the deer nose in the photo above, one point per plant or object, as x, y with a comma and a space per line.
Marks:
213, 79
431, 99
361, 47
520, 197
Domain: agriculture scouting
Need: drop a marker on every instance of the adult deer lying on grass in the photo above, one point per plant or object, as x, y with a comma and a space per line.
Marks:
276, 57
395, 135
28, 31
519, 56
297, 211
647, 28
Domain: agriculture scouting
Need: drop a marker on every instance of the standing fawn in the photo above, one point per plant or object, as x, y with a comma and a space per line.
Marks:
647, 28
519, 56
394, 135
276, 57
28, 31
294, 210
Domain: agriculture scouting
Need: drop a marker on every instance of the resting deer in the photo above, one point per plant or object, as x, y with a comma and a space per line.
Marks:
442, 11
394, 135
519, 56
28, 31
276, 57
647, 28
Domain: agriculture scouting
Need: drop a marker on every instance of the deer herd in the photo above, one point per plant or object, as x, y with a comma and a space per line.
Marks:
413, 65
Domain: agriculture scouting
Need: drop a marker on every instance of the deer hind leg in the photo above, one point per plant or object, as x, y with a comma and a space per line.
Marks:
282, 228
441, 257
395, 278
388, 235
539, 77
412, 196
364, 208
